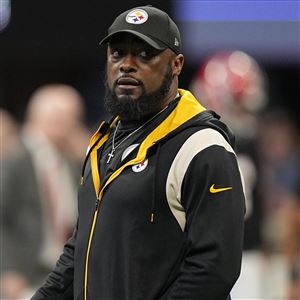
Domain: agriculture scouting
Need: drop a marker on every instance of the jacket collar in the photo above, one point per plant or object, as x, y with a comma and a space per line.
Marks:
187, 107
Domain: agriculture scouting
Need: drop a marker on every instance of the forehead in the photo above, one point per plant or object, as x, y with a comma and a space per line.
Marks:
127, 39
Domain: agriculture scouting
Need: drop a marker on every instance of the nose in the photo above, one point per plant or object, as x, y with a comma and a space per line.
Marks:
128, 64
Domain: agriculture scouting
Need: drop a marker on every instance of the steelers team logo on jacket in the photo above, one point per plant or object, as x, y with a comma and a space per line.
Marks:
137, 16
140, 167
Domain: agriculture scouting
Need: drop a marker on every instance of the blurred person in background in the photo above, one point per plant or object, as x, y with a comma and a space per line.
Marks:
38, 196
234, 85
280, 157
9, 133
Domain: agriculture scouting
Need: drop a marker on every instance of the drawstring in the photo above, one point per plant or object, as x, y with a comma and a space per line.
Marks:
153, 198
102, 130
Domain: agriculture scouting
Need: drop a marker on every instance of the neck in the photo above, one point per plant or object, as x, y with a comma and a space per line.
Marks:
172, 94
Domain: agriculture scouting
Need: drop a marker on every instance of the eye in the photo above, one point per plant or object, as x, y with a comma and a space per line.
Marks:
147, 54
116, 53
144, 54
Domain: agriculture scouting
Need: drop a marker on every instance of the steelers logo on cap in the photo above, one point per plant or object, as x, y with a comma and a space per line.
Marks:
137, 16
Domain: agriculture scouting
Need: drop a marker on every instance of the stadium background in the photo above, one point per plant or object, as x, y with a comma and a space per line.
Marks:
57, 41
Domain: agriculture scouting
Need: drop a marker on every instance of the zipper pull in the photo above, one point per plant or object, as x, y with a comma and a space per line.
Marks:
97, 204
152, 217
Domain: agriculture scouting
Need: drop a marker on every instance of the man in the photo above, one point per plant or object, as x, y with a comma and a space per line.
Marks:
161, 202
38, 181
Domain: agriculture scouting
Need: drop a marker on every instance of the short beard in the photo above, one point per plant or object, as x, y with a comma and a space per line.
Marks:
139, 109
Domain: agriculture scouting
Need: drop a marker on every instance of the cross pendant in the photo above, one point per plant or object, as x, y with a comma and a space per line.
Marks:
110, 155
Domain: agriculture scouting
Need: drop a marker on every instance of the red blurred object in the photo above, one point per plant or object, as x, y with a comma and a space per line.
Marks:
230, 81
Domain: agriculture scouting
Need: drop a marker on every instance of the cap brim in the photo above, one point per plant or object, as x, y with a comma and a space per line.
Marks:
149, 40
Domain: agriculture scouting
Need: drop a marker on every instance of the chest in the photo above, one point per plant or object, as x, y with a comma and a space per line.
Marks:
136, 194
129, 193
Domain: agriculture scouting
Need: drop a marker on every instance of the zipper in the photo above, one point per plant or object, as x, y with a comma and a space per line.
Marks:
97, 206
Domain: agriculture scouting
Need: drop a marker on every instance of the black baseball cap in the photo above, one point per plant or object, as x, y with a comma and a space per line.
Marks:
150, 24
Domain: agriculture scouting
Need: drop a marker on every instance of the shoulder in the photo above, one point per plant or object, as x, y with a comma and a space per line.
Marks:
203, 150
206, 140
203, 139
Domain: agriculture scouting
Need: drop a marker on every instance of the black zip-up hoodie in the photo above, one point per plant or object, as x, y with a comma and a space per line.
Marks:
167, 224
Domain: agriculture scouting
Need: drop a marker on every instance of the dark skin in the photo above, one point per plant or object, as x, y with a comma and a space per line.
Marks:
132, 63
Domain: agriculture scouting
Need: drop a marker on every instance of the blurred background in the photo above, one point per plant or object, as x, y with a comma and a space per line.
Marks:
241, 60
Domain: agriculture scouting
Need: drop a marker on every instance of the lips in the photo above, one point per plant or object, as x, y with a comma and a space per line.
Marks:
127, 81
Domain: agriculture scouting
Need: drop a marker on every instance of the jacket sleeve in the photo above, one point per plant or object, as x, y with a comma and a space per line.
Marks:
59, 283
214, 226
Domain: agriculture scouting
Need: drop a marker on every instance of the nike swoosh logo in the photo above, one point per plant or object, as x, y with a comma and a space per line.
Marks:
213, 190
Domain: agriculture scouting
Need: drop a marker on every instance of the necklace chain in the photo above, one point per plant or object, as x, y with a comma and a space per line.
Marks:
111, 154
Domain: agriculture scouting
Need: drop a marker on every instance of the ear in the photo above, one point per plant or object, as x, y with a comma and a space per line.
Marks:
178, 64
